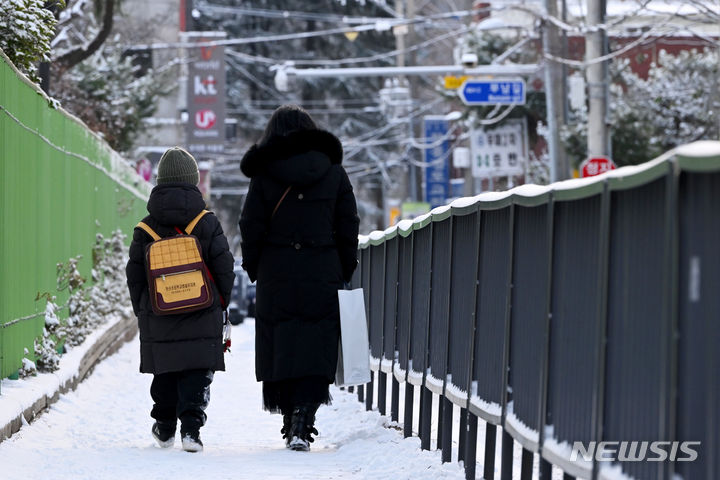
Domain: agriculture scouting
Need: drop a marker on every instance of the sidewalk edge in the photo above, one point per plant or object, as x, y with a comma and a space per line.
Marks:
122, 331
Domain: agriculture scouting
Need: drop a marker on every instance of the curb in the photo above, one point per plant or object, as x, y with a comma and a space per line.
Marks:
122, 331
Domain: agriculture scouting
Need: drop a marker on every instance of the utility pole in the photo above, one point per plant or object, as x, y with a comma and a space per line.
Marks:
598, 138
408, 187
187, 22
415, 182
554, 92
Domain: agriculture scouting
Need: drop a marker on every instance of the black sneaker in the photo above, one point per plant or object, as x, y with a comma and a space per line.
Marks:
163, 434
191, 441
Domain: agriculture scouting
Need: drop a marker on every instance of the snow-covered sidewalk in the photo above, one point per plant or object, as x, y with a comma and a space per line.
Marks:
102, 431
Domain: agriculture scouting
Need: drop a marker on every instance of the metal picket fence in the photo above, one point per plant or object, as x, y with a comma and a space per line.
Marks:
584, 311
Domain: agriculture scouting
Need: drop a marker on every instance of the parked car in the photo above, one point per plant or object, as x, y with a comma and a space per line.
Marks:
250, 296
238, 305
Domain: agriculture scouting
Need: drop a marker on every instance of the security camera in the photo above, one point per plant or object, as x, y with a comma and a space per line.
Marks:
281, 80
469, 60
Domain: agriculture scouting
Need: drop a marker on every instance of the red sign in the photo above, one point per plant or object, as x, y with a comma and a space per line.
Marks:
595, 166
205, 119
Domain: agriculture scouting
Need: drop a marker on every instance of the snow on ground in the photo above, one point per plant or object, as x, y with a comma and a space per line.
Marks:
102, 431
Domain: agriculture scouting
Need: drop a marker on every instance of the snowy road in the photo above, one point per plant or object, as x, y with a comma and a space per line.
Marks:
102, 431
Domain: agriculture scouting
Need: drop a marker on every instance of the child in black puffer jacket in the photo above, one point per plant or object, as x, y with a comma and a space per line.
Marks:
181, 350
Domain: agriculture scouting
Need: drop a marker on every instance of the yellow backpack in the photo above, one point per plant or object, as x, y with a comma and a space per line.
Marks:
178, 278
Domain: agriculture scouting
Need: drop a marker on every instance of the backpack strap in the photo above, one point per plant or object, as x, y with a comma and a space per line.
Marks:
277, 205
149, 230
194, 222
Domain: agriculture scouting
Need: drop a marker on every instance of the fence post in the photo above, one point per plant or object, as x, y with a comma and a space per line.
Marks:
470, 455
545, 469
395, 400
425, 417
598, 407
546, 340
369, 392
382, 391
462, 434
672, 211
447, 430
507, 456
490, 447
441, 422
407, 239
408, 413
526, 466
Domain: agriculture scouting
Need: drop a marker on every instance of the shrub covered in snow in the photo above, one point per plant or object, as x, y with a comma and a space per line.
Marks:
26, 30
47, 358
88, 306
28, 367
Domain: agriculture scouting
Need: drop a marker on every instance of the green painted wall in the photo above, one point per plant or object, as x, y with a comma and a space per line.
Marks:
60, 185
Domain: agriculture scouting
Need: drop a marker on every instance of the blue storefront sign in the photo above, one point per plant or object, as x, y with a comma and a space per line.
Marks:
437, 169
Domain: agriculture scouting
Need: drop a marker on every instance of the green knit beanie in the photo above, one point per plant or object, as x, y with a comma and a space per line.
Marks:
177, 165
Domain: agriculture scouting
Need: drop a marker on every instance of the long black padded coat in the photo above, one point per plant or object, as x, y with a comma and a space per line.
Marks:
301, 255
173, 343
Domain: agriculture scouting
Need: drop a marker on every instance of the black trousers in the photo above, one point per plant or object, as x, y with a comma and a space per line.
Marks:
181, 395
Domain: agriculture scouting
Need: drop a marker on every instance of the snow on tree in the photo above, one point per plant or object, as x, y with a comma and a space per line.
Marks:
678, 103
103, 82
26, 30
109, 93
104, 14
680, 100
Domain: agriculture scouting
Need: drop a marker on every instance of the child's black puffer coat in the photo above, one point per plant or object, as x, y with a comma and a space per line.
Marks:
173, 343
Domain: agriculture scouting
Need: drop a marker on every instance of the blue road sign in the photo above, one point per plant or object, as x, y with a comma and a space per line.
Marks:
437, 171
500, 91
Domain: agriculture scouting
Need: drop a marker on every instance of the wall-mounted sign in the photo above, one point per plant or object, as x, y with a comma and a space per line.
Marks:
499, 152
437, 169
206, 95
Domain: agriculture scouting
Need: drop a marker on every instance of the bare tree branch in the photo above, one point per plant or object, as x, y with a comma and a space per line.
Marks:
77, 55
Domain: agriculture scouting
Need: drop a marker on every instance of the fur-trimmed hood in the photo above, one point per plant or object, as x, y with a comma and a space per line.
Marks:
298, 158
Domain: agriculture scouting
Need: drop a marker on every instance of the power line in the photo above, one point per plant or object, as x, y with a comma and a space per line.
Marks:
345, 61
385, 24
332, 17
286, 14
316, 111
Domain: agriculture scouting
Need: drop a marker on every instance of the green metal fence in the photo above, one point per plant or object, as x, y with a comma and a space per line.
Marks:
61, 184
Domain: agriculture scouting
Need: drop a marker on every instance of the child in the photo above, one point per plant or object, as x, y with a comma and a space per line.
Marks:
181, 350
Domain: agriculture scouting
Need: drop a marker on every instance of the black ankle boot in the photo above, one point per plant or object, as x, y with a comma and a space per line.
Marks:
287, 425
302, 427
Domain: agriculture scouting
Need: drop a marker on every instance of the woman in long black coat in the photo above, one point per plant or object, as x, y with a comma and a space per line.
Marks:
299, 228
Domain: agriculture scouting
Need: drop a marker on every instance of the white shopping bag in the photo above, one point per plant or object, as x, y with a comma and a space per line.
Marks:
354, 356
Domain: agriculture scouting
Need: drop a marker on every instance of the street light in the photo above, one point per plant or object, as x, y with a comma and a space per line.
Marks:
286, 72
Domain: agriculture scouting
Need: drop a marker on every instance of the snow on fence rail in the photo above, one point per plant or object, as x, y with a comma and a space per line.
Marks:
583, 311
60, 184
